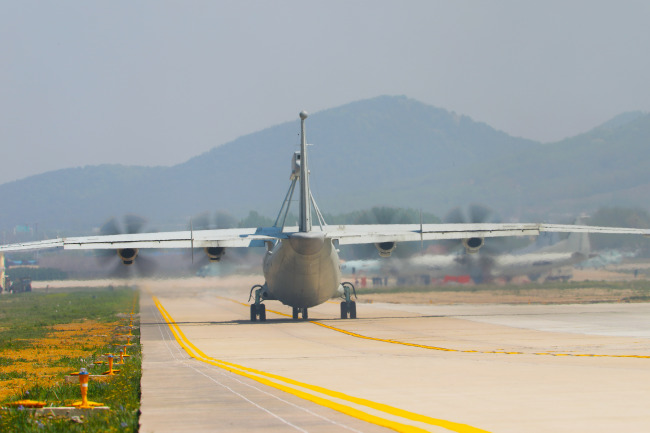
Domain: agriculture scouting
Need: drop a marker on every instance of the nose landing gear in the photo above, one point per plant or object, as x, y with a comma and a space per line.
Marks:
297, 311
258, 311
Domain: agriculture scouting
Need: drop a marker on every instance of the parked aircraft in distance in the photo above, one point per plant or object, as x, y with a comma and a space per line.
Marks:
480, 266
301, 264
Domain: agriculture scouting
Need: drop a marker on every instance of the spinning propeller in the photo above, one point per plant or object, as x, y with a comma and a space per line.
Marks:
207, 221
125, 262
480, 264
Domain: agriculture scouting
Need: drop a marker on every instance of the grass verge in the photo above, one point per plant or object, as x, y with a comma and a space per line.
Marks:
46, 336
544, 293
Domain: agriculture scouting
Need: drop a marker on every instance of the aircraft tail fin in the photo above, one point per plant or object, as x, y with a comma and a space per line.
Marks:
300, 173
579, 243
575, 243
305, 193
2, 273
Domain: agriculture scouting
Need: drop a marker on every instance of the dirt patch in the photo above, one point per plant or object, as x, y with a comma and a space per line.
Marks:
526, 296
532, 293
600, 275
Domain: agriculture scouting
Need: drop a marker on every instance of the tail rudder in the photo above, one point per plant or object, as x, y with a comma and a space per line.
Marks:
579, 243
305, 194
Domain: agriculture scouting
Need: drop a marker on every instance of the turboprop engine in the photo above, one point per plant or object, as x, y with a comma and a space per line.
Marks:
143, 266
472, 245
385, 248
215, 253
475, 214
127, 255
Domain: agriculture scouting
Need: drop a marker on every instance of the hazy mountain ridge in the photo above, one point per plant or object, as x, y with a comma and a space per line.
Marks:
389, 150
70, 197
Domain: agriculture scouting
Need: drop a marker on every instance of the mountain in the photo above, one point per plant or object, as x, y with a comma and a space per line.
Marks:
606, 166
389, 150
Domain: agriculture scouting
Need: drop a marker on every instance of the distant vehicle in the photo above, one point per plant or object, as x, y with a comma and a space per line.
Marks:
21, 285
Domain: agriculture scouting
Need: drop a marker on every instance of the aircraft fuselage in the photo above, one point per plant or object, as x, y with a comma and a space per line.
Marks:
302, 271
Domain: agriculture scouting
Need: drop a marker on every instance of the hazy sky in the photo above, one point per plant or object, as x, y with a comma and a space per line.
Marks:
157, 82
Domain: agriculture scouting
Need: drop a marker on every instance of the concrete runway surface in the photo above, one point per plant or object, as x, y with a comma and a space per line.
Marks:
462, 368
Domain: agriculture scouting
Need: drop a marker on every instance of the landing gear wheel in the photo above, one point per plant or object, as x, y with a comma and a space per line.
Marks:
353, 310
253, 312
305, 315
295, 313
348, 306
261, 311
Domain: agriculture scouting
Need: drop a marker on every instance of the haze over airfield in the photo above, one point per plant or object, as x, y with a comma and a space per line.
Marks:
155, 83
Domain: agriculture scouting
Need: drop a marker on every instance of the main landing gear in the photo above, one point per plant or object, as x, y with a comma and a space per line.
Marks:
348, 307
258, 310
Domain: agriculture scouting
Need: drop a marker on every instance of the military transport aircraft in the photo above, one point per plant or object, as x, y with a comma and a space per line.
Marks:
301, 264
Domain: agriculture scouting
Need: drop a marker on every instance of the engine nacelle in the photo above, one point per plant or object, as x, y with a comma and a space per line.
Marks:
472, 245
127, 255
385, 248
214, 253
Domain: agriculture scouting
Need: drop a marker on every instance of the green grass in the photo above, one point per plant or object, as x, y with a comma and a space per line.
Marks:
121, 394
12, 375
4, 361
28, 316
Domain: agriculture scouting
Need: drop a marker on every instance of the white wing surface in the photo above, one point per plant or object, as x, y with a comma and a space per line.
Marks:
344, 234
248, 237
359, 234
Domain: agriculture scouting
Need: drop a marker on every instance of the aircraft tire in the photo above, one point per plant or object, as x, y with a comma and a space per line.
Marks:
262, 312
295, 313
344, 310
353, 310
253, 313
305, 315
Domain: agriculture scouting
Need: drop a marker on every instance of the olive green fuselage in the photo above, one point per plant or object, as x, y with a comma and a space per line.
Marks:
302, 271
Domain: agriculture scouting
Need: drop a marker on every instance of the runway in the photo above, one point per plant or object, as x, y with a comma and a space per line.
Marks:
463, 368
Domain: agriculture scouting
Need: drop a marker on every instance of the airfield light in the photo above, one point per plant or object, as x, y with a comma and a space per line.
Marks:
83, 383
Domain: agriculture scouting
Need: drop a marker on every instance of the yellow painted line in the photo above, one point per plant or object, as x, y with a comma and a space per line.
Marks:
445, 349
272, 381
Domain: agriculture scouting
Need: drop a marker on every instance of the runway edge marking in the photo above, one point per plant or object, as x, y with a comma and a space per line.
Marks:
265, 378
446, 349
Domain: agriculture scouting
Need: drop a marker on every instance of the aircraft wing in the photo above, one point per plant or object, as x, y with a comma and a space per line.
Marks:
37, 245
246, 237
344, 234
360, 234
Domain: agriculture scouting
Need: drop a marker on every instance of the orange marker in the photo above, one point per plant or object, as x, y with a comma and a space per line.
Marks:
83, 383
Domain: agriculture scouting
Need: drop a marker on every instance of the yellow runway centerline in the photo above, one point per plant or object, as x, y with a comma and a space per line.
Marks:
366, 410
445, 349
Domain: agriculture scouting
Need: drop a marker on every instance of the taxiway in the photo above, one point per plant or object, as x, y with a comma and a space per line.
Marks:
463, 368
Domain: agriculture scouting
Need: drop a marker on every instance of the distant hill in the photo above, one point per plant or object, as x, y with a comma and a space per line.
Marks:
389, 150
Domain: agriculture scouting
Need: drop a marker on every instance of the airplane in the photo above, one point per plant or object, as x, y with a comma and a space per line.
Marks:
480, 266
301, 264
